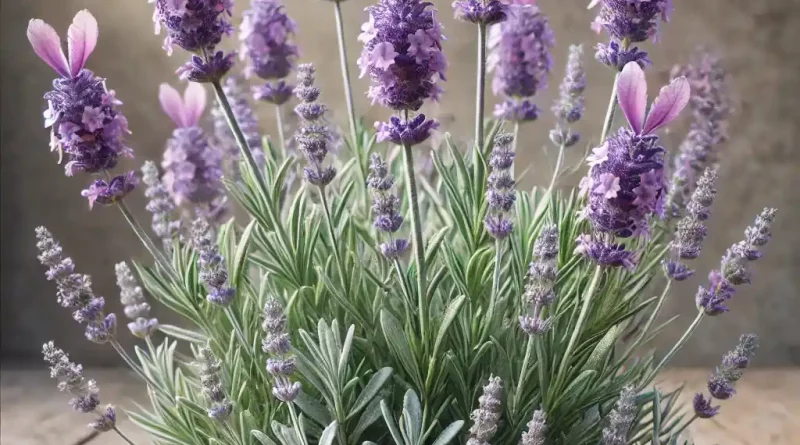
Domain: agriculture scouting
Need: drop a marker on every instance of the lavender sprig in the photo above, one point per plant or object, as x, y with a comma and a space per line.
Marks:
486, 417
500, 193
691, 230
385, 207
85, 394
537, 428
569, 107
621, 418
136, 307
734, 266
210, 370
542, 275
211, 264
313, 136
277, 343
75, 290
722, 381
160, 204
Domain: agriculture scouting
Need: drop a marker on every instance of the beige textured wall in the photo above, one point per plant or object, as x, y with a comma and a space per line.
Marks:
758, 40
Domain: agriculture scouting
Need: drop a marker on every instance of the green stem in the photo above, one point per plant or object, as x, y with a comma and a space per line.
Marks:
682, 341
480, 96
123, 436
334, 243
685, 425
612, 106
523, 376
576, 332
281, 136
296, 423
157, 254
498, 266
559, 161
419, 247
647, 325
348, 89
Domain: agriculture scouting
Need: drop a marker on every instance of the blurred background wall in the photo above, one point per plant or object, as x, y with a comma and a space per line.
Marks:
760, 165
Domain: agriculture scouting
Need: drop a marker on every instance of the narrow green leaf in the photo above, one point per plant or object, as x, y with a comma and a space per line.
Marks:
312, 408
374, 385
328, 434
412, 416
262, 438
449, 433
183, 334
447, 319
391, 424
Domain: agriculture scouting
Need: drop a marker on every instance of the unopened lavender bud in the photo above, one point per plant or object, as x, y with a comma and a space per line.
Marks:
106, 421
500, 193
136, 308
621, 418
703, 407
211, 264
485, 419
160, 204
485, 12
569, 107
313, 136
386, 207
537, 428
280, 365
211, 384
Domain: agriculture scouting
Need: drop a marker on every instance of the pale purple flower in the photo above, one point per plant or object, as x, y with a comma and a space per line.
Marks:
194, 25
631, 20
537, 427
625, 182
570, 106
500, 193
193, 166
213, 273
160, 204
486, 417
314, 137
210, 370
136, 307
540, 288
82, 112
266, 32
519, 56
621, 418
385, 207
280, 365
485, 12
108, 193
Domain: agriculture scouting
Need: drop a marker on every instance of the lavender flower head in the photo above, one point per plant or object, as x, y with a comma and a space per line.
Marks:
280, 365
617, 56
194, 25
313, 136
109, 192
601, 249
520, 59
710, 107
626, 178
734, 267
136, 307
386, 207
570, 106
265, 33
691, 230
485, 419
210, 371
630, 20
537, 428
248, 123
213, 272
500, 193
402, 53
160, 204
193, 166
722, 381
82, 112
75, 290
85, 395
621, 418
542, 274
484, 12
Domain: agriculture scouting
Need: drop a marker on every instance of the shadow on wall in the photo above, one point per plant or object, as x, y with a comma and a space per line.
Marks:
755, 39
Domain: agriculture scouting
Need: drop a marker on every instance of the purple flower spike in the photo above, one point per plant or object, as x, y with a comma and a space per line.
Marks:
631, 20
570, 106
277, 343
500, 193
386, 207
193, 166
626, 179
313, 135
542, 275
265, 33
210, 370
194, 25
107, 193
213, 272
519, 56
136, 307
412, 132
82, 112
402, 53
480, 11
703, 408
606, 253
209, 70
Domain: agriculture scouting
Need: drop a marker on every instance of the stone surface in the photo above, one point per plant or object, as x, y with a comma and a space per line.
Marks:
757, 39
764, 411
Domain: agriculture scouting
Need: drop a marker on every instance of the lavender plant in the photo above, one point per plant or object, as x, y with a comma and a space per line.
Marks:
520, 314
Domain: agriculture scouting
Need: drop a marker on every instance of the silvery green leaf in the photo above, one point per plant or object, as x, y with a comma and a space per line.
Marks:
412, 417
328, 434
449, 433
374, 385
345, 354
183, 334
398, 342
603, 348
368, 417
262, 438
388, 418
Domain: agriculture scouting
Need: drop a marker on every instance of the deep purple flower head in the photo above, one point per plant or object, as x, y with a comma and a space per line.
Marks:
194, 25
402, 53
520, 58
207, 69
626, 179
193, 166
386, 207
313, 135
500, 193
485, 12
411, 132
703, 407
710, 105
616, 57
677, 271
277, 93
248, 123
605, 253
713, 299
631, 20
82, 112
107, 193
265, 33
